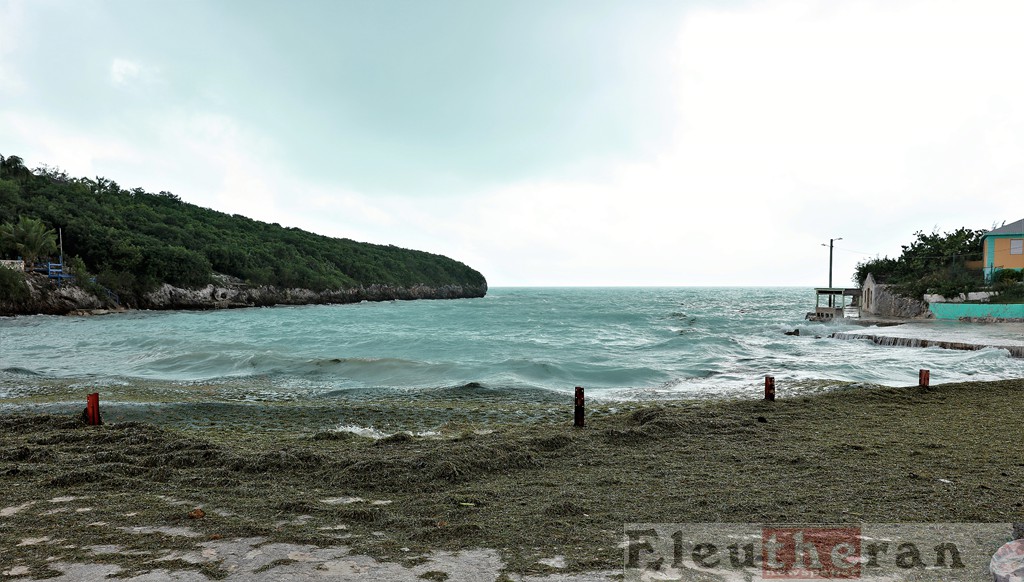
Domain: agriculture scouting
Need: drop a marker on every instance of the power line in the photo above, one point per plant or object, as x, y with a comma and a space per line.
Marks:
979, 255
853, 251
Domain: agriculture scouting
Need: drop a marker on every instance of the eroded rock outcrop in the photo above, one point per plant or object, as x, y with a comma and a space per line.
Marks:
242, 295
46, 298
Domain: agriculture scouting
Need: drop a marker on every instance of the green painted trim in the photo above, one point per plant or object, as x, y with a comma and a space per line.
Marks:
978, 310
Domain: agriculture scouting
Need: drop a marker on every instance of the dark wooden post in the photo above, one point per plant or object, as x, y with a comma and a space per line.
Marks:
923, 377
92, 409
769, 388
578, 412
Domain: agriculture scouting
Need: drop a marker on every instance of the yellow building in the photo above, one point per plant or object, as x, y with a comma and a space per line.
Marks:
1004, 248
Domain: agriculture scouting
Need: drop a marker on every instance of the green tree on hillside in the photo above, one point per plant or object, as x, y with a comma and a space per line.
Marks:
13, 168
136, 240
30, 238
934, 263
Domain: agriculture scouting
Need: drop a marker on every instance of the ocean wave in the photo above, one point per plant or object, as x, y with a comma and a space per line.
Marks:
208, 365
516, 340
20, 371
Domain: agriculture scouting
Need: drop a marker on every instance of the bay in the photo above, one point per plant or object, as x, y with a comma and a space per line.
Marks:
617, 342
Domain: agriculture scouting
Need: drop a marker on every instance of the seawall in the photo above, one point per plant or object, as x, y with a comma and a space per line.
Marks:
1016, 351
978, 311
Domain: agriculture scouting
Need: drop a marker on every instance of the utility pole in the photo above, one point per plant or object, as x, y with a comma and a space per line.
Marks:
831, 243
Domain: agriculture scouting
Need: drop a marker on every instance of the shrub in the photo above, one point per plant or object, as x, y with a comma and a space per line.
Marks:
1008, 276
1008, 284
76, 266
12, 286
933, 263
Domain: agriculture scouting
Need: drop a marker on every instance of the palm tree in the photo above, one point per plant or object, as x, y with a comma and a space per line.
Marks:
30, 237
13, 168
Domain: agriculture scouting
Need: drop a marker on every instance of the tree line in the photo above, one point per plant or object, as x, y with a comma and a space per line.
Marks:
133, 240
932, 263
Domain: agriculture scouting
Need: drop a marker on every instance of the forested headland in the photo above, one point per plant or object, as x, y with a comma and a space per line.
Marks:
132, 242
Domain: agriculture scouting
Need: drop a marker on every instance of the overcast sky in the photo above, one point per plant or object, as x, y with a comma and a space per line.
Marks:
550, 142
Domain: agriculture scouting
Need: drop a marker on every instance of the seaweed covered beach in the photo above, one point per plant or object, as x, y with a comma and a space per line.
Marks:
508, 482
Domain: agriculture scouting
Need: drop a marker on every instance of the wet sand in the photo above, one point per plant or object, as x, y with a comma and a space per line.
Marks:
509, 483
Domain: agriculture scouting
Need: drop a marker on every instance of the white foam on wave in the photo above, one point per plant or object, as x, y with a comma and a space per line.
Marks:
621, 344
376, 434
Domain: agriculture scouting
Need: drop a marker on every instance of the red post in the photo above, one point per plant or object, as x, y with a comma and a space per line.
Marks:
578, 416
769, 388
92, 409
923, 377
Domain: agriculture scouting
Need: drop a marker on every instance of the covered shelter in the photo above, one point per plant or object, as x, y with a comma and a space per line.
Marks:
835, 303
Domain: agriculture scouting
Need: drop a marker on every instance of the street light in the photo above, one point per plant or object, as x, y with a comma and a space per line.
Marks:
831, 242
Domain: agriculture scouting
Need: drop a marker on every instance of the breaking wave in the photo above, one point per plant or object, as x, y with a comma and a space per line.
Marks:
682, 341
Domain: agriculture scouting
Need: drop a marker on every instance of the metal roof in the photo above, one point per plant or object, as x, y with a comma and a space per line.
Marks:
848, 291
1012, 228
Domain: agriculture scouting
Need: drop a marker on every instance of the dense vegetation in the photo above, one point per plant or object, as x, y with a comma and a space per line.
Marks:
1008, 284
135, 240
12, 286
30, 238
934, 263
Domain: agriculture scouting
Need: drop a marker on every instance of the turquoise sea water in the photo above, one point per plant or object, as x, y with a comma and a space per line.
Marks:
617, 342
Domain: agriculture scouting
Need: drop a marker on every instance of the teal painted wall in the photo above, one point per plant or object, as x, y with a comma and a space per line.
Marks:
990, 257
981, 310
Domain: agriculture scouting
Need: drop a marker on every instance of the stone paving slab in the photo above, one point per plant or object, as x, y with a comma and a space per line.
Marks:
254, 560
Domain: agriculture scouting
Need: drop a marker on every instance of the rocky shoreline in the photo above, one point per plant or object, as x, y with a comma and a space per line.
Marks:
69, 299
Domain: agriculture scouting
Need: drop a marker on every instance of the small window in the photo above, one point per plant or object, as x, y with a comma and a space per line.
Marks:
1017, 246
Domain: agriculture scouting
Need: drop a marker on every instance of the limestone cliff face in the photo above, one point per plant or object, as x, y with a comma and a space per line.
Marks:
240, 295
46, 299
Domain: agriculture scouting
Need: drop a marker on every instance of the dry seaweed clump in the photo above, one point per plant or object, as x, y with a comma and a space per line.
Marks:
529, 489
